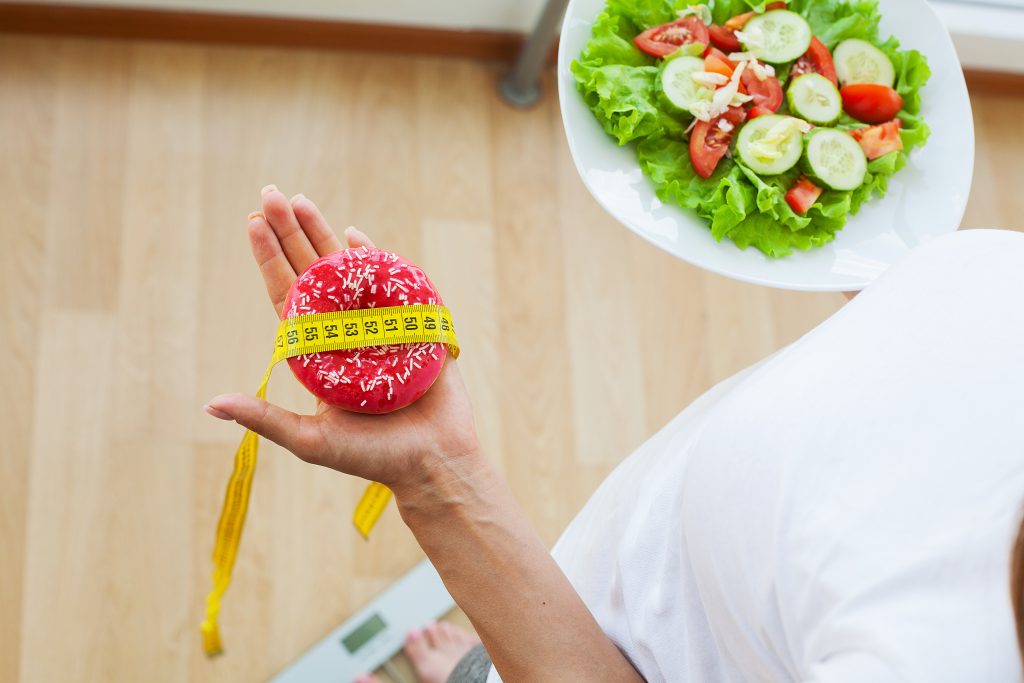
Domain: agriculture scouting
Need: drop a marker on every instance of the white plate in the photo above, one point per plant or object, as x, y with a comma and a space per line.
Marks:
925, 199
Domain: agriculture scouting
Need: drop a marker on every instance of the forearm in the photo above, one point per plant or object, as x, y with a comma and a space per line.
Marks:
533, 624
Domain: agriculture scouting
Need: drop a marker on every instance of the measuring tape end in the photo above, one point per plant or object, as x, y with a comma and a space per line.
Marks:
211, 639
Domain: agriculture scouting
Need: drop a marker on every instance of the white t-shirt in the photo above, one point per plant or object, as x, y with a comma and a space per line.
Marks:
842, 512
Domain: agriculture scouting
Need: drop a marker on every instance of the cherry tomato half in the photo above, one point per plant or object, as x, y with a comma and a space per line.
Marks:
877, 141
724, 38
766, 93
871, 102
709, 143
817, 60
802, 195
716, 62
663, 40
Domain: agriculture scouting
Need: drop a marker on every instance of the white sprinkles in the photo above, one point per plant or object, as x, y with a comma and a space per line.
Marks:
366, 273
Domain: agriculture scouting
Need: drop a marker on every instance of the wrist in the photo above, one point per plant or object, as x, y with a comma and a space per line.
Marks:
443, 482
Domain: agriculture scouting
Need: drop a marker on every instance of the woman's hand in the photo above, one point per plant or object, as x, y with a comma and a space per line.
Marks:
462, 512
398, 449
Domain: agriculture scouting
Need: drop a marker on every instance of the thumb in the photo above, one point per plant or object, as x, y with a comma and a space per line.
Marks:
295, 432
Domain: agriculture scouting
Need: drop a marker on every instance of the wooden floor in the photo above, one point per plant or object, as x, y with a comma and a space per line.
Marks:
129, 298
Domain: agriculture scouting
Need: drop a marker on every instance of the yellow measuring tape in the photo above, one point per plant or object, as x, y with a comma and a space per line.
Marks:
301, 335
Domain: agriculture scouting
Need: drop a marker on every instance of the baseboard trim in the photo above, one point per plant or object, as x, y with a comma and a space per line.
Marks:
995, 82
244, 29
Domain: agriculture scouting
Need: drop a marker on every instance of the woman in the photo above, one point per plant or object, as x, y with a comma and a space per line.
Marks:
842, 511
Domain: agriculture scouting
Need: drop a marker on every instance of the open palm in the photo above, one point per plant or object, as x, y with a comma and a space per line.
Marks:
393, 449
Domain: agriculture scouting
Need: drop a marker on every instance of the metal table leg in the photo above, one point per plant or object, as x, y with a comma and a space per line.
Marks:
520, 87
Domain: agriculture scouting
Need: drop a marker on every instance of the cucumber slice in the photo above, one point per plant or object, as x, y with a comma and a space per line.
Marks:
771, 144
677, 88
777, 36
834, 159
813, 97
858, 61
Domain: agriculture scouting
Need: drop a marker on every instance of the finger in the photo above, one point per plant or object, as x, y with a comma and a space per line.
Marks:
219, 414
315, 226
357, 238
298, 433
281, 217
273, 264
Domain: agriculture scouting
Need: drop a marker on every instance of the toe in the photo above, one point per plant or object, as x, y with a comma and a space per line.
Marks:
367, 678
315, 226
447, 632
434, 635
416, 646
281, 216
464, 636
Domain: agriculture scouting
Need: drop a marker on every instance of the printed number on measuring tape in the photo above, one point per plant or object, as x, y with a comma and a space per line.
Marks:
298, 336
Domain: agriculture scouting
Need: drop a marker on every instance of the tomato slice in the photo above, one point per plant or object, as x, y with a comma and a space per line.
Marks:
871, 102
802, 195
724, 38
766, 93
663, 40
715, 61
740, 20
709, 143
756, 111
817, 60
715, 52
877, 141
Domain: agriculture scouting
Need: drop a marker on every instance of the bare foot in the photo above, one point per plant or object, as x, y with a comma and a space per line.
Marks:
435, 650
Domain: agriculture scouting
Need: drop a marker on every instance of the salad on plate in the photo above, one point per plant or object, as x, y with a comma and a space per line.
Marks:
774, 121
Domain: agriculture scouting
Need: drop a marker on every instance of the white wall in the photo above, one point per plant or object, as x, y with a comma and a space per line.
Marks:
502, 15
986, 36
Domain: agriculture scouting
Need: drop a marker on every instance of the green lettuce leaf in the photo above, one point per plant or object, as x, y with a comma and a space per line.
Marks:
611, 42
646, 13
833, 22
723, 10
624, 99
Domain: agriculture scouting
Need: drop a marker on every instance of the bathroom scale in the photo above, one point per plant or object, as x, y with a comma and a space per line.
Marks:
373, 635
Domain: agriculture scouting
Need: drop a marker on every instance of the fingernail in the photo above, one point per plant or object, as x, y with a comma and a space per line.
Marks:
219, 414
268, 188
298, 197
256, 214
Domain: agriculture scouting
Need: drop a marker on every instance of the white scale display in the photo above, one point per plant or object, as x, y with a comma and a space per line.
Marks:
374, 634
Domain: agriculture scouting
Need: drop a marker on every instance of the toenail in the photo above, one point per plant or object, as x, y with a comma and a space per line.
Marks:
415, 634
268, 188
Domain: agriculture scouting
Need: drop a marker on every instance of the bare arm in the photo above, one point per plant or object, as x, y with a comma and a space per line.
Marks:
533, 624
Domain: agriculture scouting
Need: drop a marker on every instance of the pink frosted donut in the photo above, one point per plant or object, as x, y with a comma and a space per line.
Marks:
378, 379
